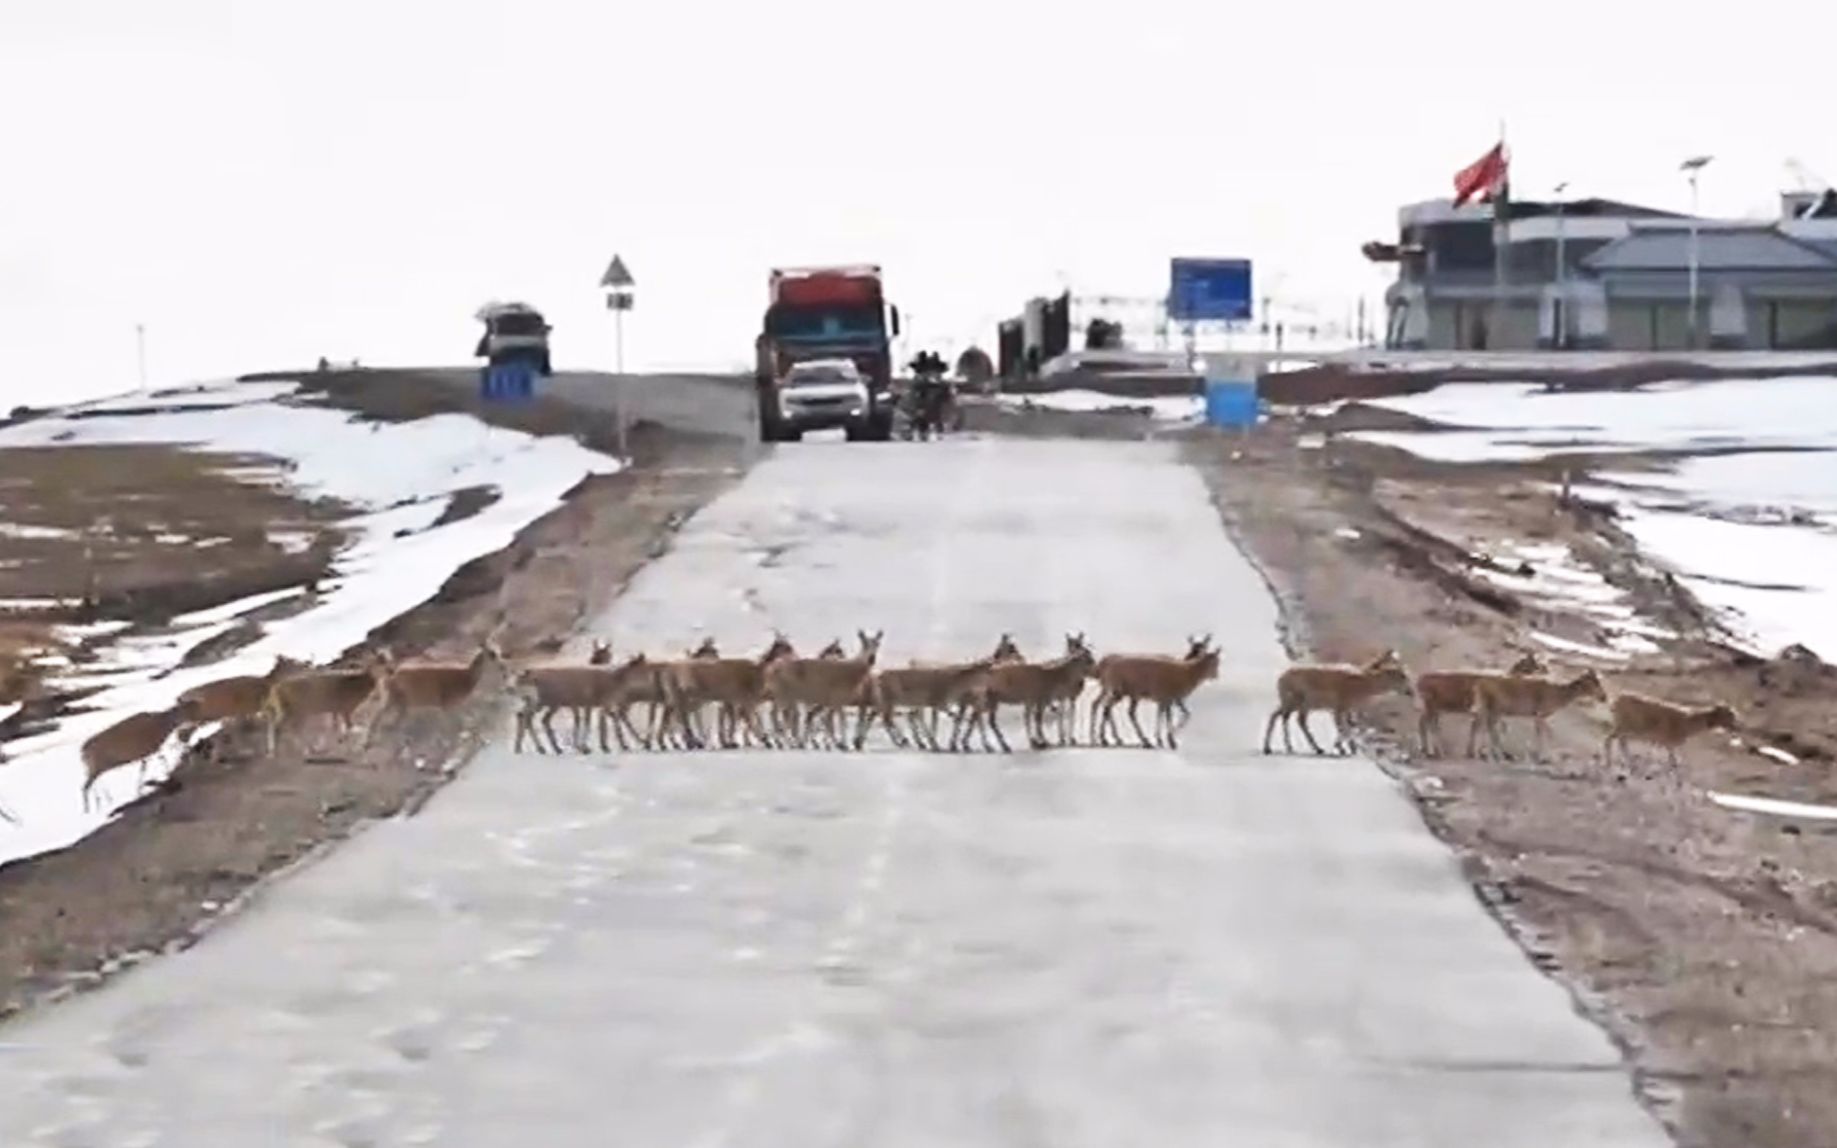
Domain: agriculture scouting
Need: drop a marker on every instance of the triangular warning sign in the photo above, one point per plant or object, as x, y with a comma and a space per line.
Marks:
616, 274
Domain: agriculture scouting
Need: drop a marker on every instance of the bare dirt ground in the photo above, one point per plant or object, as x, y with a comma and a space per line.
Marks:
982, 416
169, 864
138, 534
1703, 939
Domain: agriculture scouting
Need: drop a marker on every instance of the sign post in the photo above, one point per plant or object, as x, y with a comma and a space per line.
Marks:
619, 284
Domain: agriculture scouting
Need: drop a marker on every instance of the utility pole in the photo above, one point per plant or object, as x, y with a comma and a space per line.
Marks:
1561, 315
1690, 168
619, 284
140, 346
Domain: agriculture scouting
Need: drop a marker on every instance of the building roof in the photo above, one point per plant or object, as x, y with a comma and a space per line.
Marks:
1718, 249
1444, 211
1588, 209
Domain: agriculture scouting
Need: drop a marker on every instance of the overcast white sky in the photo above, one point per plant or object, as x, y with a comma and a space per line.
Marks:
265, 181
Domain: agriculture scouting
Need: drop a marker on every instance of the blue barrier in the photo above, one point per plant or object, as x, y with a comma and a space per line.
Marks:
1231, 403
508, 382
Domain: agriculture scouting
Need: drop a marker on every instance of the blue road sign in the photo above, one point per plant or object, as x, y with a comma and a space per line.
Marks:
1203, 289
510, 382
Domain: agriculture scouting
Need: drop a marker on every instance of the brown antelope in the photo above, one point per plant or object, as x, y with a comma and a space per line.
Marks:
301, 698
534, 708
1638, 718
823, 688
927, 690
1536, 696
962, 695
1166, 681
646, 686
235, 699
1064, 704
1030, 685
785, 716
1339, 689
1441, 692
736, 685
412, 687
924, 690
132, 739
582, 691
1103, 705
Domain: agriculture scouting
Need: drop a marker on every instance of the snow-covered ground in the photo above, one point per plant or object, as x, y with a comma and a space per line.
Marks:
1170, 407
1561, 584
1752, 533
402, 474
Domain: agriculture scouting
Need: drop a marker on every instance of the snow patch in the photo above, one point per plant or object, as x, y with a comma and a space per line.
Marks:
1774, 806
237, 608
1170, 407
25, 530
1582, 648
401, 474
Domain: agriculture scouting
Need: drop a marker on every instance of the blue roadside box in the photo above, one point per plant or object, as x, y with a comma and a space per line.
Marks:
1231, 403
510, 382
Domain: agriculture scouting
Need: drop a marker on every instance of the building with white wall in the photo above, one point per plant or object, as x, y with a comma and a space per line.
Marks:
1601, 274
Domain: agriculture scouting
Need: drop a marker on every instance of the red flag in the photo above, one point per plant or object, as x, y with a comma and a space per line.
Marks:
1483, 177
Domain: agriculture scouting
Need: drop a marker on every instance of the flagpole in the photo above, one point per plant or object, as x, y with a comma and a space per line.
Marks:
1501, 227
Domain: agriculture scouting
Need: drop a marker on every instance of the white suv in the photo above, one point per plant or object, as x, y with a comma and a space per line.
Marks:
822, 394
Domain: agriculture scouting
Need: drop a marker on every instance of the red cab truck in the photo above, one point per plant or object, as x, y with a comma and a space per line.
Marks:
826, 313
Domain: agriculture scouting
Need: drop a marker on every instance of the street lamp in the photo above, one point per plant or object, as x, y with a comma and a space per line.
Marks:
1690, 168
1562, 273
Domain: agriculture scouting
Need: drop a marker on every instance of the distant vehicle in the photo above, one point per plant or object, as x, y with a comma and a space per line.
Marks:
823, 394
827, 313
513, 332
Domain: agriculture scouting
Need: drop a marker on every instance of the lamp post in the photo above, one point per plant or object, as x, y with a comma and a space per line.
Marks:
1562, 274
1690, 168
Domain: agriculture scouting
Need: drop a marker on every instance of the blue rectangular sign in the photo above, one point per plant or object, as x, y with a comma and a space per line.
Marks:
1203, 289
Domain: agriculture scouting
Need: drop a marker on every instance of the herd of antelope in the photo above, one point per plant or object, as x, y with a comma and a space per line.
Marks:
834, 699
1525, 690
776, 698
290, 698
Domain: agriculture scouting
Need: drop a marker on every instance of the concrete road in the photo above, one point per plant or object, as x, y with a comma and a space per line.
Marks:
1072, 948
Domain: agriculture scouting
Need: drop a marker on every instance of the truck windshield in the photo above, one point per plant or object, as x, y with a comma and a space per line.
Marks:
517, 323
828, 321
